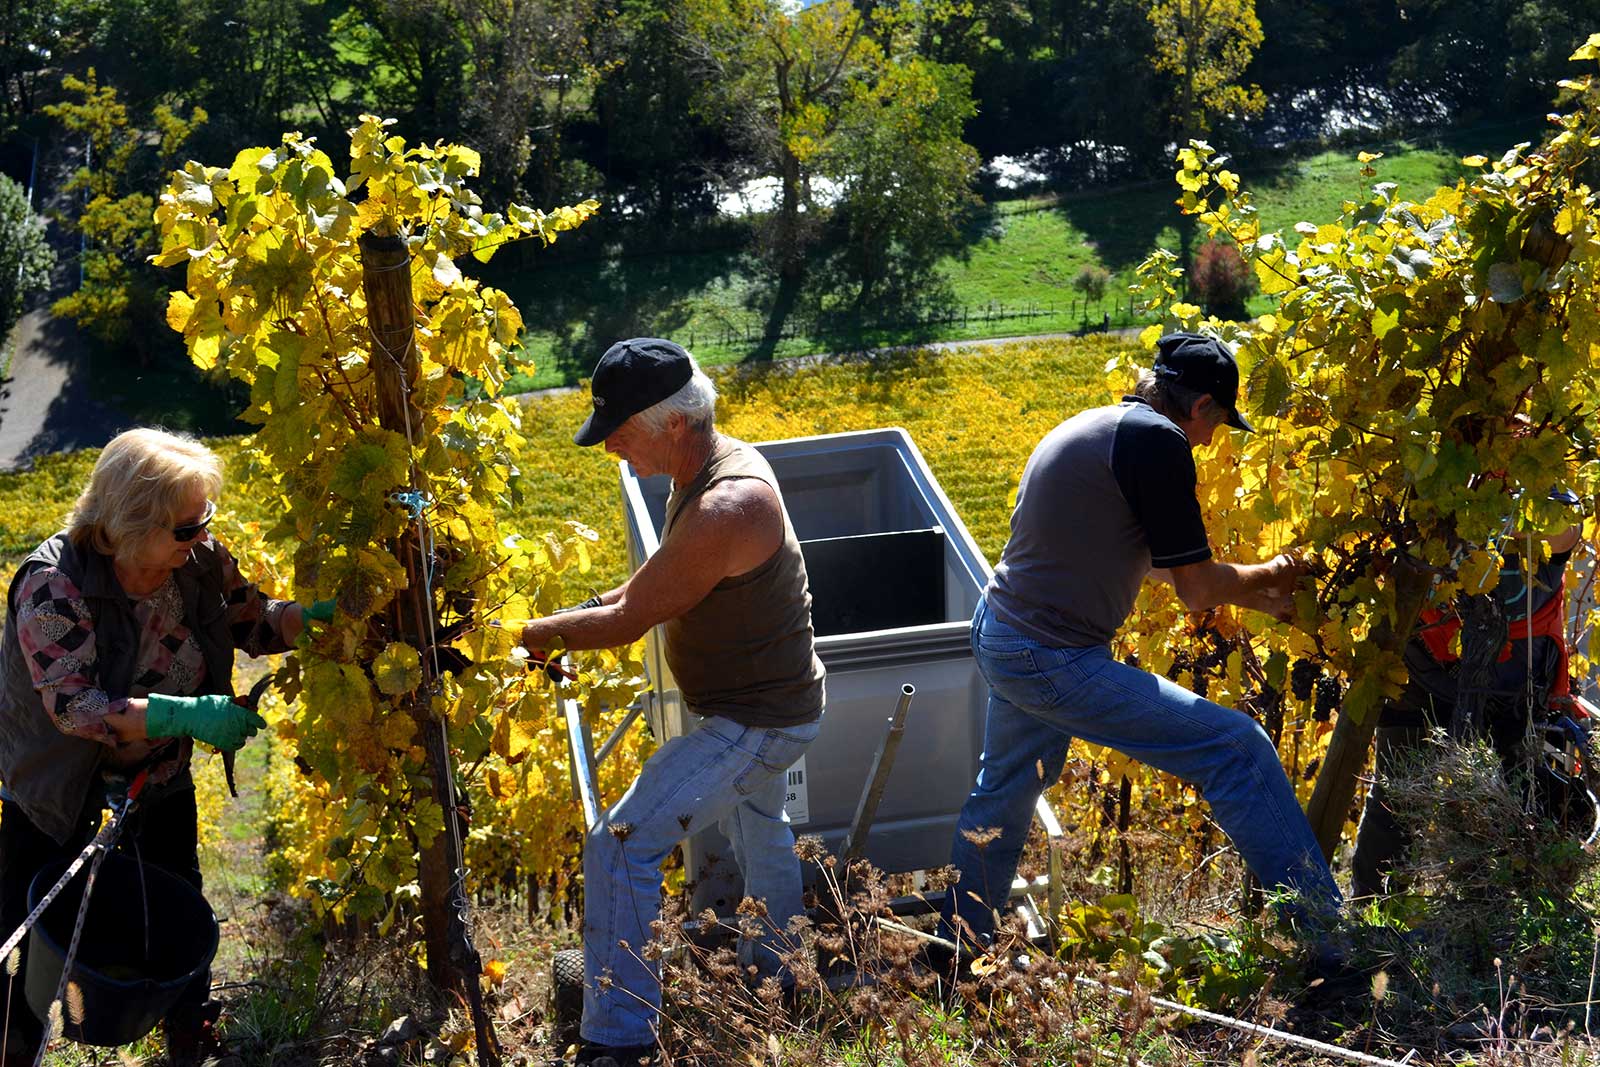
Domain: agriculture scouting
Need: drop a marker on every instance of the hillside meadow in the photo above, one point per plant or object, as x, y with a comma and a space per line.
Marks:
975, 414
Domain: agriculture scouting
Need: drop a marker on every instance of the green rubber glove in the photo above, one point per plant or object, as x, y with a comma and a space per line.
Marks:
213, 718
321, 611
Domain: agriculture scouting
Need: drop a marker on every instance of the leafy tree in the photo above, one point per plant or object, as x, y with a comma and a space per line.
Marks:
529, 60
502, 74
1311, 41
814, 92
147, 48
906, 174
778, 74
651, 137
266, 64
25, 256
1092, 282
29, 35
417, 60
119, 301
1495, 53
253, 65
1207, 45
1428, 375
1097, 87
1003, 43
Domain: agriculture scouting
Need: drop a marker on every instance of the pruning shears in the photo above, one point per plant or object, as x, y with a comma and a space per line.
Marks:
538, 660
252, 702
551, 667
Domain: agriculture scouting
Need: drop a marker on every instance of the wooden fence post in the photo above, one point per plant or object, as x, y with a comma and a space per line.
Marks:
453, 962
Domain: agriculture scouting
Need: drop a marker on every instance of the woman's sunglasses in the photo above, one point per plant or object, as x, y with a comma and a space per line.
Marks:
190, 530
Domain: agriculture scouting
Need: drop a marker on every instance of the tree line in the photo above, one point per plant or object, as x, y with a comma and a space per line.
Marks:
868, 120
566, 96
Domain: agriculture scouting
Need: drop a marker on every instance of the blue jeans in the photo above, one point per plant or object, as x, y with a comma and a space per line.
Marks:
1041, 697
721, 774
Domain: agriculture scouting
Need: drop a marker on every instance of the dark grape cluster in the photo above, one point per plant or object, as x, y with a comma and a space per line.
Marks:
1302, 676
1212, 658
1181, 661
1329, 693
1266, 707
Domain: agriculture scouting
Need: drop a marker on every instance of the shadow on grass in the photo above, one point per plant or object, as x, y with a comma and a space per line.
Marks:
168, 391
1124, 225
906, 302
586, 306
723, 303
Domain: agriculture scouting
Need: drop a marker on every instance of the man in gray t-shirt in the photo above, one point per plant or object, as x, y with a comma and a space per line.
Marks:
1107, 499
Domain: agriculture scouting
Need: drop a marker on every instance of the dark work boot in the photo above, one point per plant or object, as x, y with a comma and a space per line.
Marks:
21, 1041
616, 1055
192, 1039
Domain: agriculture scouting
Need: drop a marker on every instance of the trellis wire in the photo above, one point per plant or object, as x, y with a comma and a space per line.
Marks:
1254, 1029
415, 500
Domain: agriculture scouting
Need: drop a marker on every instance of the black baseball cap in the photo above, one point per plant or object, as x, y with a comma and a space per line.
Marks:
1205, 365
631, 376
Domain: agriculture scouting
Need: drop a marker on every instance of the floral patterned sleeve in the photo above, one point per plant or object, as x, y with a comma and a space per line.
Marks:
56, 631
255, 620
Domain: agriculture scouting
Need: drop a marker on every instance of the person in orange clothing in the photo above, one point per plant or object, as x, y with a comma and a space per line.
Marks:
1534, 609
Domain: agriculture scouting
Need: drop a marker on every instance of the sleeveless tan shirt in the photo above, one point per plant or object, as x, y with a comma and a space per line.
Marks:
746, 652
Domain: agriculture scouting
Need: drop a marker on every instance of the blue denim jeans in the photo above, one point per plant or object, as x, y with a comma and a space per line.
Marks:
721, 774
1041, 697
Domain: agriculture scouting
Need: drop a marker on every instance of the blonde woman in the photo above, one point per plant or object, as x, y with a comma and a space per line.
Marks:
117, 654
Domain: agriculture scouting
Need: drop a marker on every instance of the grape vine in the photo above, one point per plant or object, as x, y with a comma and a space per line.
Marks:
274, 298
1430, 372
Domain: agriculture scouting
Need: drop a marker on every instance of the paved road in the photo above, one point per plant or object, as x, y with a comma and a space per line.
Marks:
47, 405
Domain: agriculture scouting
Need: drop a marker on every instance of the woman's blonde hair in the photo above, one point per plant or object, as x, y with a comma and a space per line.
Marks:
141, 482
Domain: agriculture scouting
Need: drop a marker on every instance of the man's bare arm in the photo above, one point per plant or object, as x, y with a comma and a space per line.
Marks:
734, 527
1265, 587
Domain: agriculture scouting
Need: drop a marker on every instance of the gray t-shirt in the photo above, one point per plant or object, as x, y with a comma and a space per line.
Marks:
1106, 495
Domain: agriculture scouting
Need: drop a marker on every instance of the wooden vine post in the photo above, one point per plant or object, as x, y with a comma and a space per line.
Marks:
453, 962
1352, 740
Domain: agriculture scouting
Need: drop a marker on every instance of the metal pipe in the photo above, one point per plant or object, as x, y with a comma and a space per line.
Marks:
615, 737
583, 783
1055, 841
855, 843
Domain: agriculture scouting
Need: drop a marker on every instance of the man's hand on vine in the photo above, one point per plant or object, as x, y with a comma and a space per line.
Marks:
541, 659
1285, 573
1281, 578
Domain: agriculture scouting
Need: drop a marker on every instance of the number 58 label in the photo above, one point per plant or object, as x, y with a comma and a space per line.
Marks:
797, 800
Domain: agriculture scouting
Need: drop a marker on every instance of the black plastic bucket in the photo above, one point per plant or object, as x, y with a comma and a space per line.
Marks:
125, 991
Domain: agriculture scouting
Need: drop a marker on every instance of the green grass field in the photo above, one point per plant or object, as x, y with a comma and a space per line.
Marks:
1012, 272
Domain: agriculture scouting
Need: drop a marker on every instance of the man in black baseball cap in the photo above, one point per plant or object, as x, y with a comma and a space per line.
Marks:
1107, 500
759, 711
633, 375
1204, 365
